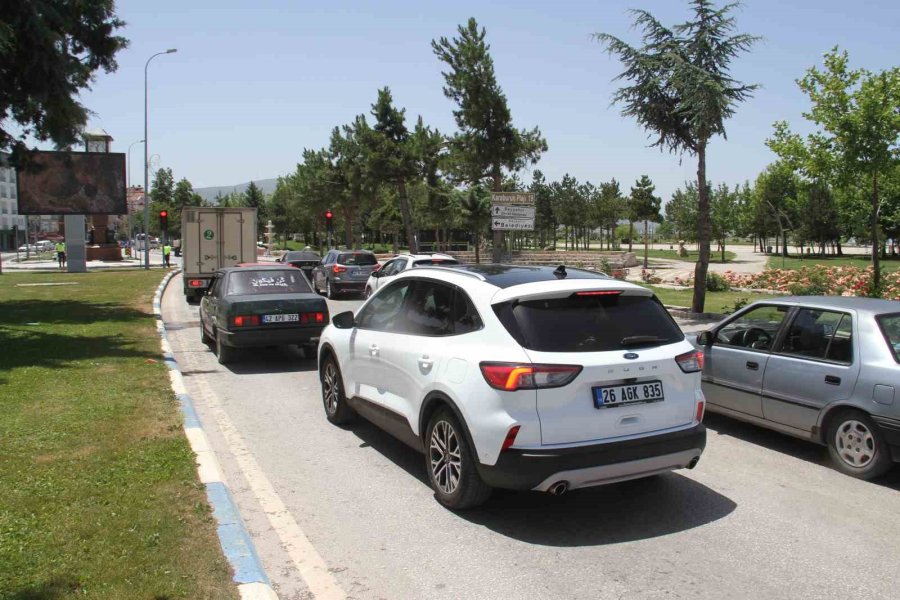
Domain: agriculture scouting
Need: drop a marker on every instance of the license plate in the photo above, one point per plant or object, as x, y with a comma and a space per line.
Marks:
280, 318
636, 393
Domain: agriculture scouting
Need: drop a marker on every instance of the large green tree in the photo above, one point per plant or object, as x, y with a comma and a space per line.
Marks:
487, 142
609, 207
681, 91
857, 113
392, 158
50, 52
644, 206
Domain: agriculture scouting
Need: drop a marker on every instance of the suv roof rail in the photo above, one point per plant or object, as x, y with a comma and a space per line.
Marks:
477, 276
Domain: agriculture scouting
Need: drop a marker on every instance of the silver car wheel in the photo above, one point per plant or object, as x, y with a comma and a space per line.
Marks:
854, 443
330, 388
446, 461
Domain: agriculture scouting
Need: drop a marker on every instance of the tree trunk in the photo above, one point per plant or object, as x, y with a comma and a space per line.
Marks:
477, 244
646, 247
406, 213
876, 263
630, 234
703, 232
348, 228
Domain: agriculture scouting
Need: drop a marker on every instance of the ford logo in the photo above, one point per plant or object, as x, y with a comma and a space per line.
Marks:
630, 355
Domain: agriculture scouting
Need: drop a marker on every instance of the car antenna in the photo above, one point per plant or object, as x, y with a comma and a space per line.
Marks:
560, 272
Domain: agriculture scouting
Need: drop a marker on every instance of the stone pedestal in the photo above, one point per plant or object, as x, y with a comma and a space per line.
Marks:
100, 249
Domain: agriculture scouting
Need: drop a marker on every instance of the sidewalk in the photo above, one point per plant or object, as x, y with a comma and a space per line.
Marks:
50, 264
745, 261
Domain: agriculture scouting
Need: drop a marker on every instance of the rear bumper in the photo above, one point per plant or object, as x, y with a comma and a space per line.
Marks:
585, 466
196, 290
271, 337
348, 286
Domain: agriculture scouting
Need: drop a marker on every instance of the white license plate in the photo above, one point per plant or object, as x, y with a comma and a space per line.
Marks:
280, 318
618, 395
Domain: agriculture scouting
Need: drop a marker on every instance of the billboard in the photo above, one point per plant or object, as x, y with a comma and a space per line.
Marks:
72, 183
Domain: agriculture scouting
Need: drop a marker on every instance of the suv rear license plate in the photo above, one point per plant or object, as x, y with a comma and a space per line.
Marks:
280, 318
619, 395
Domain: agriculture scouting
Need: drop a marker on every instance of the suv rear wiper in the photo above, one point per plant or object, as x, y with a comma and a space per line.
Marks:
640, 340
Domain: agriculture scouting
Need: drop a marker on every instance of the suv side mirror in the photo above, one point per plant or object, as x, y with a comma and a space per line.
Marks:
343, 320
705, 338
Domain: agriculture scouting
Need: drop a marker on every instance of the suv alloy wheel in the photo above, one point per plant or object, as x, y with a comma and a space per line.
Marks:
451, 464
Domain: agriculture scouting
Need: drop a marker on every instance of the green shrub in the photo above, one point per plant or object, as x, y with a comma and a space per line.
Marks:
716, 283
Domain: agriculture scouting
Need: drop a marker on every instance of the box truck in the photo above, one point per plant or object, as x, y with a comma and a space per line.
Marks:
213, 238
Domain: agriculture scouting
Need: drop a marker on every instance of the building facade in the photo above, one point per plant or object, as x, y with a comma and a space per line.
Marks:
12, 224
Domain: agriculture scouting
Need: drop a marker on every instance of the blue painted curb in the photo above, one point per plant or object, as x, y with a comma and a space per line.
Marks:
237, 545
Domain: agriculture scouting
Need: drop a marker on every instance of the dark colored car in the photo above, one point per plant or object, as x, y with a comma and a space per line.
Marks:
344, 271
261, 306
305, 260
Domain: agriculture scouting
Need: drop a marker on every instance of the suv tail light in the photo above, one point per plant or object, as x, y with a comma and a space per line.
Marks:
510, 377
700, 407
245, 320
338, 269
690, 362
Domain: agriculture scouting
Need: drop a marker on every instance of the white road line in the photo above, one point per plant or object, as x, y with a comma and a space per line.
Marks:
309, 563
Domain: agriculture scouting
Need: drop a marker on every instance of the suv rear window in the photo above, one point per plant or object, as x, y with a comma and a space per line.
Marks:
362, 259
589, 323
269, 281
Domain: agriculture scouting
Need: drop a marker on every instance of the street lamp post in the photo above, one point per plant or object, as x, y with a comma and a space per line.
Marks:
128, 159
147, 166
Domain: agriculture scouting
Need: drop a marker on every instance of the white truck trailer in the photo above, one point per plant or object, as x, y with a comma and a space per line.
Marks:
213, 238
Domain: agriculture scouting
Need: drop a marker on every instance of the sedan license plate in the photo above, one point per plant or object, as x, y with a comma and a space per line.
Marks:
281, 318
619, 395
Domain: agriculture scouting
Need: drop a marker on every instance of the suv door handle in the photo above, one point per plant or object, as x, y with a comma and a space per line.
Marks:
373, 350
832, 380
753, 366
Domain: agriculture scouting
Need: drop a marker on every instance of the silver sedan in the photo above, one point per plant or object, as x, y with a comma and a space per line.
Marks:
826, 369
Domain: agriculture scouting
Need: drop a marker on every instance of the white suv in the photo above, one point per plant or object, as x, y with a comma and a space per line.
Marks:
526, 378
382, 276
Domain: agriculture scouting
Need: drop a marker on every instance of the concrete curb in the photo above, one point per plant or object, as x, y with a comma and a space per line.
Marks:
685, 313
253, 584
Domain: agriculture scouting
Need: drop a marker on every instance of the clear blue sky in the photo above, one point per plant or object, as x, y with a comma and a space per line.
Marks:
255, 82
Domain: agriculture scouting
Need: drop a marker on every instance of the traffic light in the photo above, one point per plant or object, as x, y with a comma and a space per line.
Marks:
328, 216
164, 220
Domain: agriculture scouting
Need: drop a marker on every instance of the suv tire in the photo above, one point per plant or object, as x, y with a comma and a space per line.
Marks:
337, 411
204, 337
329, 293
450, 463
856, 445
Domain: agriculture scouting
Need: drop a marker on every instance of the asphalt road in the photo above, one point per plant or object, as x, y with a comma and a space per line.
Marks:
762, 515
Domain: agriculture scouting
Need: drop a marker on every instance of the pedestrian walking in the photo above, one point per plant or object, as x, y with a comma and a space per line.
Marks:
61, 254
167, 251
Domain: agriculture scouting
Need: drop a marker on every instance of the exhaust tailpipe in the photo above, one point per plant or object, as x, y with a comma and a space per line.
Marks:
559, 488
693, 462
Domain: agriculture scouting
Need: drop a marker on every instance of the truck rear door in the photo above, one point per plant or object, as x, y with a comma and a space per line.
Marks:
236, 230
209, 240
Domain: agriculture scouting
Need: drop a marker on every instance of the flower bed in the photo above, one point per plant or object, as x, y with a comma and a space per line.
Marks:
818, 280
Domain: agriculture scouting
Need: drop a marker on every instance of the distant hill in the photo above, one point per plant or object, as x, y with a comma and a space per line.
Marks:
209, 193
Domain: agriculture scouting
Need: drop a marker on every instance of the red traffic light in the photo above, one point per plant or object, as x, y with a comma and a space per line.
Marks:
328, 214
164, 213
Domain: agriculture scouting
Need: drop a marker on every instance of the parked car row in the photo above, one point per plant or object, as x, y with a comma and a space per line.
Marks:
535, 378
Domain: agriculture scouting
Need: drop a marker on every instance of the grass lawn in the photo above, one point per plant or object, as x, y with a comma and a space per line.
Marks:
853, 260
99, 496
716, 302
